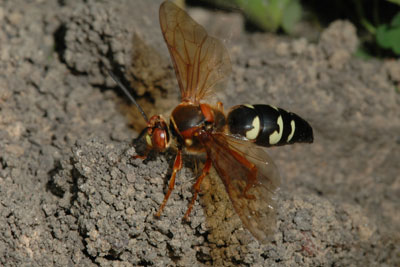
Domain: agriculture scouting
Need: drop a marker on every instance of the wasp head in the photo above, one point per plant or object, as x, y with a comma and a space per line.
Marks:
157, 136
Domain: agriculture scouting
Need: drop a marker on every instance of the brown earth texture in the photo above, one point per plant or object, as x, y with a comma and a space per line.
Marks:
71, 193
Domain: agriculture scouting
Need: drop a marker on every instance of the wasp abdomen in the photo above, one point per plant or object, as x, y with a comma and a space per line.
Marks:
267, 125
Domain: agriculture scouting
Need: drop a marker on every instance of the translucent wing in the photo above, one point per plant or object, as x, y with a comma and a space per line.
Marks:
239, 164
200, 61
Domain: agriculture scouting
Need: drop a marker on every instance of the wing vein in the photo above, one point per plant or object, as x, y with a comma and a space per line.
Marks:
200, 61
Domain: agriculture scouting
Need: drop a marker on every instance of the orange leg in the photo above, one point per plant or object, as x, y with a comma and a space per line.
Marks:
142, 157
252, 178
171, 184
196, 187
145, 154
220, 106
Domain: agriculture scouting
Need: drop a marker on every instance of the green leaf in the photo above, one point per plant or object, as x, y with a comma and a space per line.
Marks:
291, 15
397, 2
362, 53
395, 40
265, 14
382, 37
395, 20
268, 15
388, 38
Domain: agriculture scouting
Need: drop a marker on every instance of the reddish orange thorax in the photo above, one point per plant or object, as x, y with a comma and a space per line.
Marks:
189, 120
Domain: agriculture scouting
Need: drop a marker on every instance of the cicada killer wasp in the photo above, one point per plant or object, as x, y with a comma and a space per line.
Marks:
233, 143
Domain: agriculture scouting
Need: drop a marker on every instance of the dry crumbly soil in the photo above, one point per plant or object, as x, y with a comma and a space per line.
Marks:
72, 194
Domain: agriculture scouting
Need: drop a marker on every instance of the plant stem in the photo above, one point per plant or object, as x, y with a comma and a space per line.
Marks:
364, 22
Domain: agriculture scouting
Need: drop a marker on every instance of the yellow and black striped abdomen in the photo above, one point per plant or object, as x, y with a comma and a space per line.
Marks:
267, 125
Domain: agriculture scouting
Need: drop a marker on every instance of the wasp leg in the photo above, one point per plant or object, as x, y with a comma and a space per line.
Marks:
171, 184
196, 187
145, 154
252, 178
220, 106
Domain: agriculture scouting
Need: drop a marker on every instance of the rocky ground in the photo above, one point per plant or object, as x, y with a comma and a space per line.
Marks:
72, 194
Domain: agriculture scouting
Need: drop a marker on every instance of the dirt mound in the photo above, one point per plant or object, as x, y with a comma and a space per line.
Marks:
71, 193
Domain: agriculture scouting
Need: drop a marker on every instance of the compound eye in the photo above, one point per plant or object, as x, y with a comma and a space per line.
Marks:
158, 139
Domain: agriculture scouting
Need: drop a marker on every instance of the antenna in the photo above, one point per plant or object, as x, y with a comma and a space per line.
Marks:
129, 95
